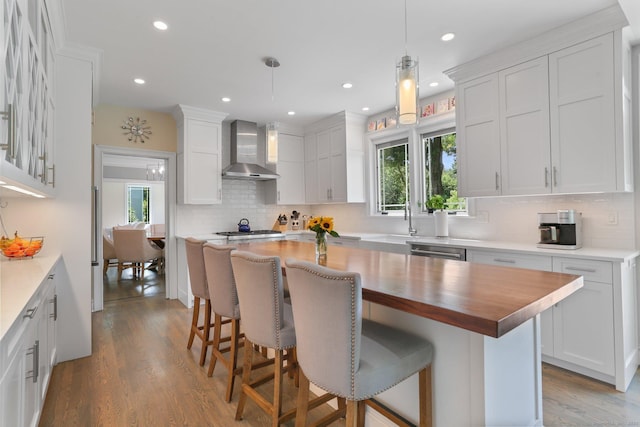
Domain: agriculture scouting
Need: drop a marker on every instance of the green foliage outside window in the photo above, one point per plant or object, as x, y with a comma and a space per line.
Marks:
138, 203
393, 177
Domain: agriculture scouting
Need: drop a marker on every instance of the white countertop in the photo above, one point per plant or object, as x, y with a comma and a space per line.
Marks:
19, 281
617, 255
603, 254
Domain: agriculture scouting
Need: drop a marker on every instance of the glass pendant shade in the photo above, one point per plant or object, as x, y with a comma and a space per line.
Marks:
407, 91
272, 143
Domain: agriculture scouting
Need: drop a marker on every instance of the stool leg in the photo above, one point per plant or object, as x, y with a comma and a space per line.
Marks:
303, 400
277, 389
425, 386
233, 357
194, 319
217, 330
205, 331
246, 378
351, 413
360, 415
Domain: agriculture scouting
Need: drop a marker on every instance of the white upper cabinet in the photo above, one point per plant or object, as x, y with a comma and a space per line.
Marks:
583, 135
478, 137
199, 156
289, 189
550, 115
524, 128
334, 160
26, 96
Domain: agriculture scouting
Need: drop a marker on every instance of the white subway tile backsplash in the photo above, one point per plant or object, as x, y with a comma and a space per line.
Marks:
240, 199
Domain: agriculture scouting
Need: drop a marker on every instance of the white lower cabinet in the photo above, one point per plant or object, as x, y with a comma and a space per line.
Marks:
594, 330
28, 355
583, 324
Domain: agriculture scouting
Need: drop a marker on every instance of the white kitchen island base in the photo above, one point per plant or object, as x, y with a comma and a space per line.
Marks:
477, 380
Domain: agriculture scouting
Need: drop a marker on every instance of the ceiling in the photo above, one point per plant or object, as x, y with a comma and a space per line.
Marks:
214, 49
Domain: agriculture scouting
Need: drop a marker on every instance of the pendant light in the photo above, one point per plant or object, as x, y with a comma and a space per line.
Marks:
272, 142
407, 84
272, 128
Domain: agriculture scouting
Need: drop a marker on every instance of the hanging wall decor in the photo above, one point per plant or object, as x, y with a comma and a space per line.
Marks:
136, 130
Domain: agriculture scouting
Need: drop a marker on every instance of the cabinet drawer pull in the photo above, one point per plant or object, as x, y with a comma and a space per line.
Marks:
546, 177
35, 352
581, 269
30, 312
10, 116
54, 301
509, 261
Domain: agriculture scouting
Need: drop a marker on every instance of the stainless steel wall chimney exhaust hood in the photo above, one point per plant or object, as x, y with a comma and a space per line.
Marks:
244, 154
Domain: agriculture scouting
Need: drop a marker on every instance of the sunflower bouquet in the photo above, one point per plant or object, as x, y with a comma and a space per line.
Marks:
322, 225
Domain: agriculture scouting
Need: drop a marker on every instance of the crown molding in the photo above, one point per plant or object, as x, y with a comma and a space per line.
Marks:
596, 24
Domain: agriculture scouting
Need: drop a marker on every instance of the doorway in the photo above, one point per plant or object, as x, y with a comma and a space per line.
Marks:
119, 176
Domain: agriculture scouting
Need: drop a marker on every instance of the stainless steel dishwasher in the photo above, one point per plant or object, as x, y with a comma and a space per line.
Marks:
435, 251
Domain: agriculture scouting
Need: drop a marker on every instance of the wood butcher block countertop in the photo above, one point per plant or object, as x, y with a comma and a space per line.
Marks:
486, 299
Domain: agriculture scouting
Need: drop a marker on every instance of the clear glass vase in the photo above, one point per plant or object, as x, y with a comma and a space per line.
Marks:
321, 245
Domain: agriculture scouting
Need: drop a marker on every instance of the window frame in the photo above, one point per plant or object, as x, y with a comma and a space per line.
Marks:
434, 125
378, 192
128, 187
422, 153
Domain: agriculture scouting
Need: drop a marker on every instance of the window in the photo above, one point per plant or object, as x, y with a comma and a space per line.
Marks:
138, 201
392, 175
440, 169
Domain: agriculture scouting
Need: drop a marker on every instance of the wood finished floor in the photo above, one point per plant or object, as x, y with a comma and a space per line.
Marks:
141, 374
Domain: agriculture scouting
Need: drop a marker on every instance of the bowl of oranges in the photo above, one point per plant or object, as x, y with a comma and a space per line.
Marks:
20, 247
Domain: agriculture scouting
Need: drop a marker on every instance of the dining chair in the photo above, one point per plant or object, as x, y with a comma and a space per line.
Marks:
133, 250
267, 321
109, 257
346, 355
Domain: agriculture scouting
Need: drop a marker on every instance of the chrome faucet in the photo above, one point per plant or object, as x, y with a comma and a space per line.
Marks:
407, 215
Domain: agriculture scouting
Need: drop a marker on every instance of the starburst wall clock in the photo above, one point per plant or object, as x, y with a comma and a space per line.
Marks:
136, 130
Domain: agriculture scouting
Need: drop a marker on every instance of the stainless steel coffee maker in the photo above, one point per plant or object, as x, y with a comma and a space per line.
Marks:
560, 230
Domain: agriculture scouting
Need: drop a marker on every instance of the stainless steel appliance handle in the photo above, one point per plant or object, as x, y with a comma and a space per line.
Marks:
96, 234
436, 253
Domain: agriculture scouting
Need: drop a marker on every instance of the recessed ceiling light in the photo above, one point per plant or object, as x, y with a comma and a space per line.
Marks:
138, 81
160, 25
291, 113
365, 108
446, 37
347, 85
433, 84
225, 99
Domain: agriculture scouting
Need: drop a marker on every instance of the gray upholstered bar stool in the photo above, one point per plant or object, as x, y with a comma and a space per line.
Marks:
346, 355
200, 290
267, 321
224, 303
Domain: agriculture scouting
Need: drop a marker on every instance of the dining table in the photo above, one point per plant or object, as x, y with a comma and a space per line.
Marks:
483, 320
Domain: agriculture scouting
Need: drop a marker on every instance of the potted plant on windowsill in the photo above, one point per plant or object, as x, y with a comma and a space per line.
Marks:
436, 203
